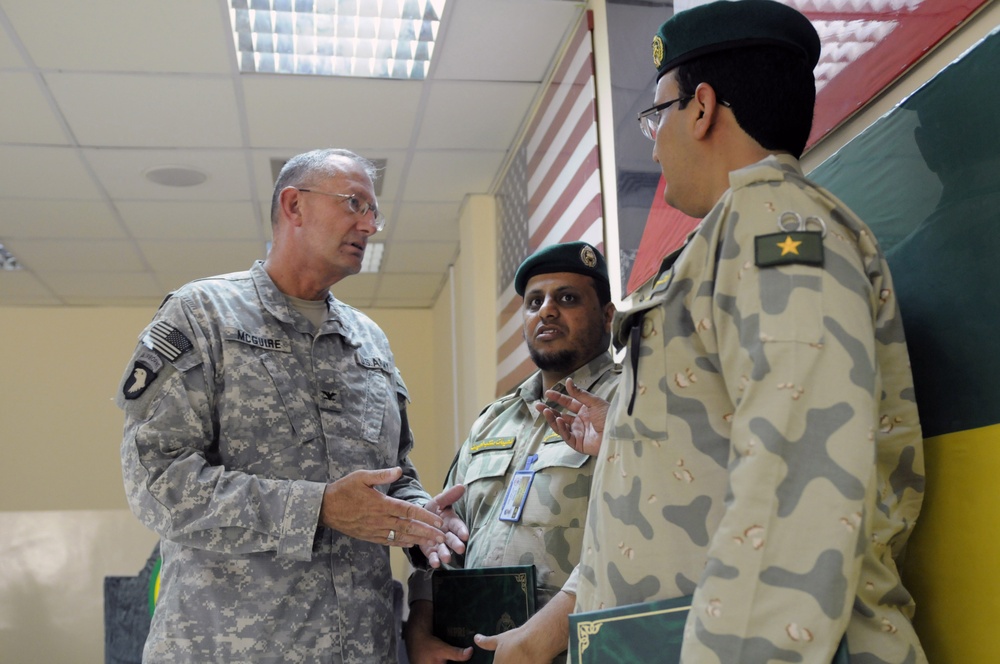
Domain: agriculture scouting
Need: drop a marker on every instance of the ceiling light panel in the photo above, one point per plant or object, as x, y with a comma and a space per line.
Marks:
363, 38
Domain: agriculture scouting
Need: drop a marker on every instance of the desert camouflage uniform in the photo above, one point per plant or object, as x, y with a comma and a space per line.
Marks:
551, 526
772, 464
228, 447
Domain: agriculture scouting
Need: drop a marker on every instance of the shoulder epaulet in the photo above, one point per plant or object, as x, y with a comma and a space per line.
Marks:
164, 301
510, 396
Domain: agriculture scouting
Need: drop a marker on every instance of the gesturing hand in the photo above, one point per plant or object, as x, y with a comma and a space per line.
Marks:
456, 533
583, 430
354, 507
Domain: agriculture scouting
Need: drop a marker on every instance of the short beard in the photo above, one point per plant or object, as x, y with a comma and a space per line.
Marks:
563, 361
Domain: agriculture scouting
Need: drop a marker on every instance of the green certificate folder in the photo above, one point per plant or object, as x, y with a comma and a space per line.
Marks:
638, 634
486, 600
632, 634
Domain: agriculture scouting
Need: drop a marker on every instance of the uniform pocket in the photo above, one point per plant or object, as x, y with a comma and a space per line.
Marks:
560, 489
377, 395
790, 303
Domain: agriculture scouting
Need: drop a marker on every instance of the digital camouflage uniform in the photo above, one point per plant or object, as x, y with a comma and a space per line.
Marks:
237, 415
551, 526
772, 462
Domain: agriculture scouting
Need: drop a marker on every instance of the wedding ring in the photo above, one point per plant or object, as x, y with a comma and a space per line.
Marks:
391, 537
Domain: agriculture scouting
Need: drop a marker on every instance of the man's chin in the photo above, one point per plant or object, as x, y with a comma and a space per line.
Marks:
559, 360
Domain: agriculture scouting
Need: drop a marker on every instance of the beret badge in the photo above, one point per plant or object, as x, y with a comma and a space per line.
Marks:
588, 257
657, 51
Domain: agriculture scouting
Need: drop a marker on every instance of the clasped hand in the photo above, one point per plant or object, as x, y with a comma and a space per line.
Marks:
352, 505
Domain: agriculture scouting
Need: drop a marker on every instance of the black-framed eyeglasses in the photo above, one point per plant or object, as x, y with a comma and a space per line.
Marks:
357, 205
649, 120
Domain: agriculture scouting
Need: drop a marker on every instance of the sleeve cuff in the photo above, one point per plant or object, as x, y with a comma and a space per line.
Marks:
300, 520
572, 581
419, 586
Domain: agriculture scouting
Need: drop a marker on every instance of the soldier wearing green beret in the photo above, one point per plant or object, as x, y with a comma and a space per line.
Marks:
763, 452
566, 324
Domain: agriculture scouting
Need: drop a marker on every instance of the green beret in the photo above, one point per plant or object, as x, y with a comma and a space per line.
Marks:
578, 257
724, 25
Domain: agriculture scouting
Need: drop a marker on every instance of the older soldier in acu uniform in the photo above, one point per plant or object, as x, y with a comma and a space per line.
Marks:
266, 441
763, 451
567, 315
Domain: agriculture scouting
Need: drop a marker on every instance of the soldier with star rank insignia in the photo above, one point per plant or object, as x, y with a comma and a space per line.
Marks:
763, 452
266, 442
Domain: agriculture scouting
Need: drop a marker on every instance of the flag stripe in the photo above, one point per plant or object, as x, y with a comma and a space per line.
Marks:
559, 179
579, 48
568, 202
573, 98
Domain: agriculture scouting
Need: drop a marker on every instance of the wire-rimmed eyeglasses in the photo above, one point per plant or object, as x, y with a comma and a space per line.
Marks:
357, 205
649, 120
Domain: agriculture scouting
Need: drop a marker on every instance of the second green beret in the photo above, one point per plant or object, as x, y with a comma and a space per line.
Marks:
577, 257
724, 25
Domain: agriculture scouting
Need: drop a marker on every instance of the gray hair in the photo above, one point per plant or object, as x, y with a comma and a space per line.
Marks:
301, 169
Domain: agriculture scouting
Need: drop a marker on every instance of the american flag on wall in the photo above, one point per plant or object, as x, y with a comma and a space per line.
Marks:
550, 194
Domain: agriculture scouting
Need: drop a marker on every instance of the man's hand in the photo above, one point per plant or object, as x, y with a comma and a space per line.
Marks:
455, 531
353, 506
582, 431
422, 647
538, 641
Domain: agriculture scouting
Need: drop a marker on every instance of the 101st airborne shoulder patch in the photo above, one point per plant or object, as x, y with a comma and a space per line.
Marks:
789, 248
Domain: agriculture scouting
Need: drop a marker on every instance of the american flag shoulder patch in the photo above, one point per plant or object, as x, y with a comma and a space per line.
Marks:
166, 340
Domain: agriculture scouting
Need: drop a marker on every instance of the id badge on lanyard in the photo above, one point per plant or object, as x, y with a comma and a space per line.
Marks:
517, 491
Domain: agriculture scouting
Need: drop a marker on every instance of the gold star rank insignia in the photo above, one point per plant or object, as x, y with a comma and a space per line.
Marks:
789, 246
804, 248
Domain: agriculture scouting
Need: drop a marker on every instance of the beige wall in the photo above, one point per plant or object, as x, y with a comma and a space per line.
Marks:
64, 522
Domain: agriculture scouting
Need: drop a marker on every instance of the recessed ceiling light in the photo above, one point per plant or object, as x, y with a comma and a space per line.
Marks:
365, 38
175, 176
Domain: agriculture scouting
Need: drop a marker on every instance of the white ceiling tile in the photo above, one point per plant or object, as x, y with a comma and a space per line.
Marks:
420, 221
22, 288
29, 119
99, 287
121, 173
51, 256
185, 220
474, 114
469, 173
37, 219
10, 57
44, 172
419, 257
316, 111
124, 35
203, 258
512, 40
164, 110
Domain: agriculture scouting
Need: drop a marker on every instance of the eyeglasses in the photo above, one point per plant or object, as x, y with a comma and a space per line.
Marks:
357, 205
649, 120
